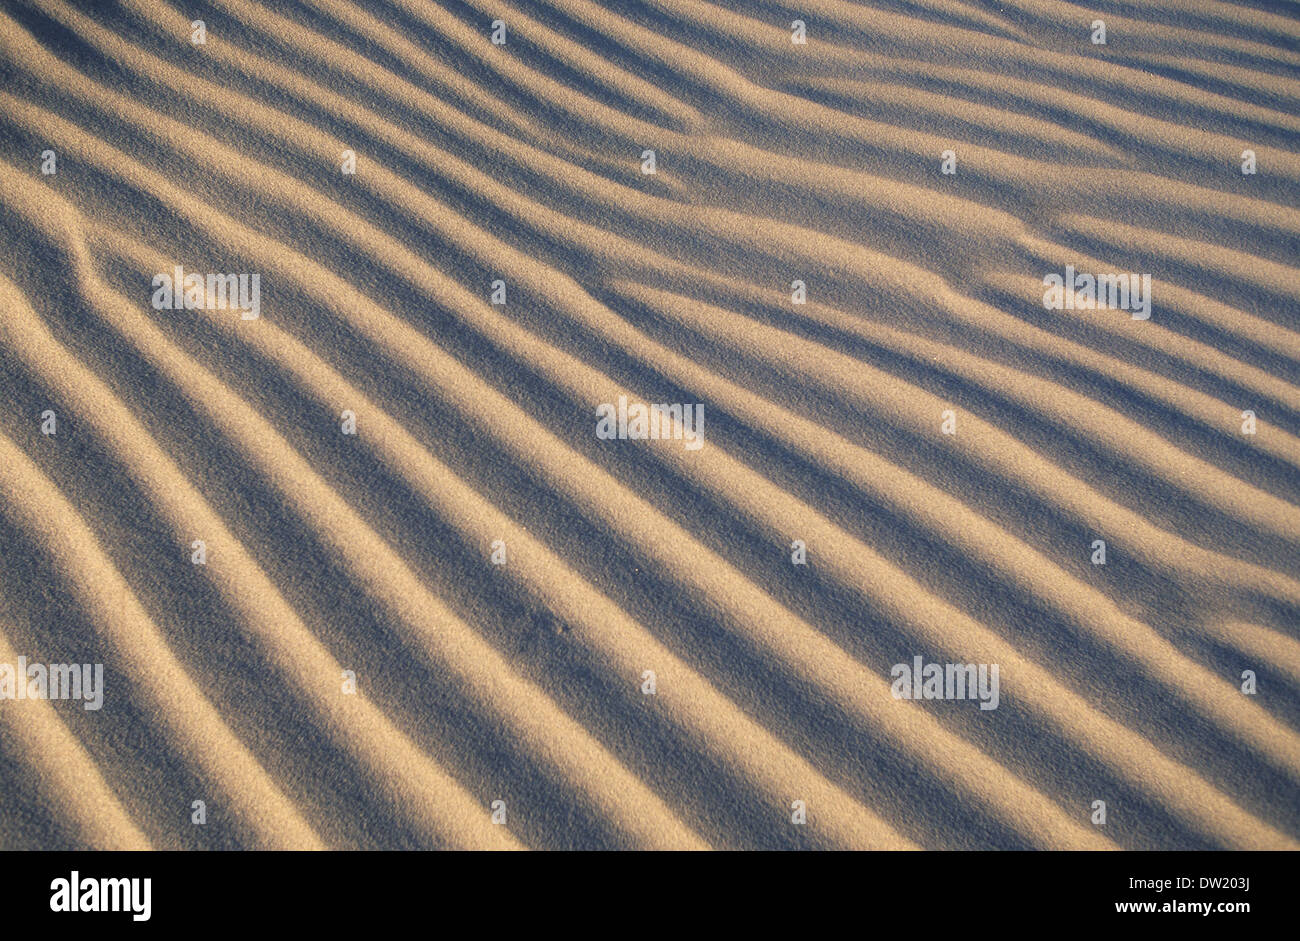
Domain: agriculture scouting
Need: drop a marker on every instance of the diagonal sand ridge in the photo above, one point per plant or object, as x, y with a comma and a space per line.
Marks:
564, 640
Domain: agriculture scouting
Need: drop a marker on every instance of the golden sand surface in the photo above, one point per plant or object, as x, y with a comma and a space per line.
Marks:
363, 571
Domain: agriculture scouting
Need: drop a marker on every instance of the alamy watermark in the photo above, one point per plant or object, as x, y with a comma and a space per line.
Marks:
76, 894
656, 422
1083, 291
920, 680
181, 291
84, 681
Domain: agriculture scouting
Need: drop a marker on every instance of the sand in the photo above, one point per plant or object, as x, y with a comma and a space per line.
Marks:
364, 570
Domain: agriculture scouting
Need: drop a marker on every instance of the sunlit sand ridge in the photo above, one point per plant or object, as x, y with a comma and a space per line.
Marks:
561, 424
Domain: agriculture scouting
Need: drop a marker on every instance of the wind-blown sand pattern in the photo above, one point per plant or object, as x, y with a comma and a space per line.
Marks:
939, 450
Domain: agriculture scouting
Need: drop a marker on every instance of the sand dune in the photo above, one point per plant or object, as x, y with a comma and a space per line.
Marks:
363, 571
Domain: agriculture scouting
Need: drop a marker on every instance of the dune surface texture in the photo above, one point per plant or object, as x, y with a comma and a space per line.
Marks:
379, 543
